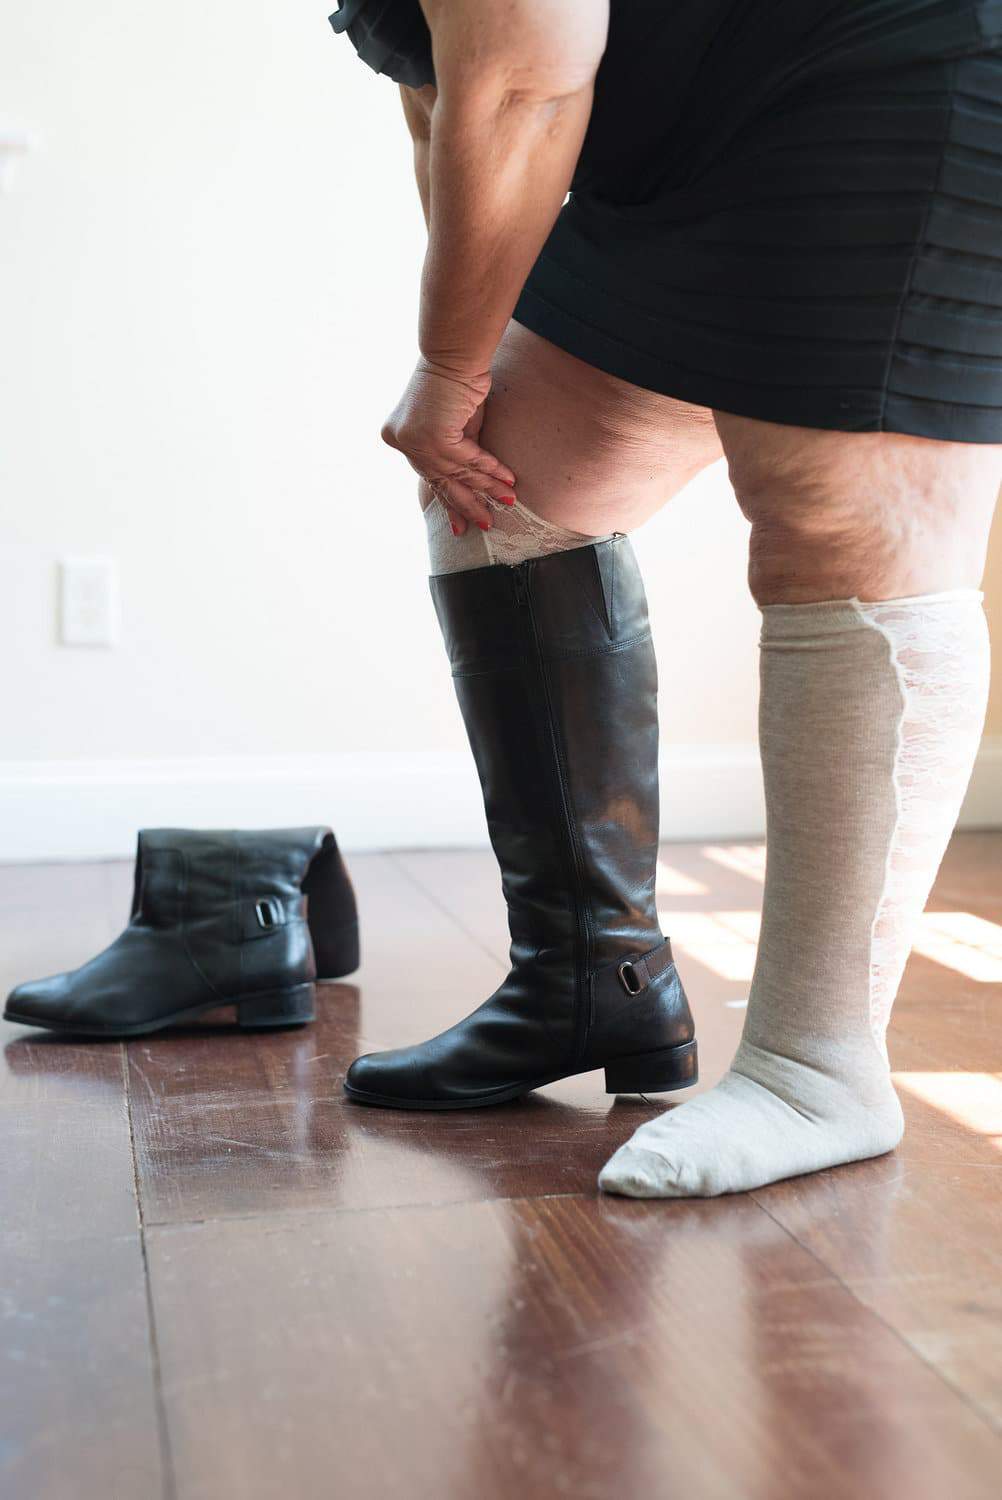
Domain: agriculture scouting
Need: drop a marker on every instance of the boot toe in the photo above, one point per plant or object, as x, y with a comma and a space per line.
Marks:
39, 1002
404, 1077
371, 1075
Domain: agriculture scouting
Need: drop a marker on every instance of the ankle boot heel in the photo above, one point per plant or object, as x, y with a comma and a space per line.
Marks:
653, 1072
291, 1007
337, 953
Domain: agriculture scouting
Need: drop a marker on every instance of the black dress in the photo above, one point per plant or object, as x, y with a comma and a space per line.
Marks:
787, 209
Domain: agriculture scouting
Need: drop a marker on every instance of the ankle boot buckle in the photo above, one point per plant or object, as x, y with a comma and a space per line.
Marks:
268, 913
630, 979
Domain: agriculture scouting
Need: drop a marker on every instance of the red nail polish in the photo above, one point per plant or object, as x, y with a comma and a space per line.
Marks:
455, 528
483, 526
507, 499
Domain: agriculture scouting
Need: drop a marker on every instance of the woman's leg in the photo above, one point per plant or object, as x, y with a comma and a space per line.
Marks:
593, 455
557, 684
866, 555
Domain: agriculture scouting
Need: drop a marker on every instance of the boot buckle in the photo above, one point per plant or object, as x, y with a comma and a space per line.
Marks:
267, 912
630, 979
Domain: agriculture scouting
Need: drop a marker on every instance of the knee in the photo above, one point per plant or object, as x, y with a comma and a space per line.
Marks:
803, 550
876, 515
802, 555
811, 540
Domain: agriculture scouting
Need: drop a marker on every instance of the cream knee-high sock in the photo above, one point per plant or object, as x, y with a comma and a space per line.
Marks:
870, 718
516, 535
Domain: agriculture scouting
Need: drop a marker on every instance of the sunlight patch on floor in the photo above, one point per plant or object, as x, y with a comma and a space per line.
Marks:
959, 940
723, 941
673, 882
974, 1100
743, 859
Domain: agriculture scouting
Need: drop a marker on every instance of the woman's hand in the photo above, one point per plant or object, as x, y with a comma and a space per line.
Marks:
435, 425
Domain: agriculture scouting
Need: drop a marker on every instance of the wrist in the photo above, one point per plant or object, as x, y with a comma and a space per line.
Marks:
461, 372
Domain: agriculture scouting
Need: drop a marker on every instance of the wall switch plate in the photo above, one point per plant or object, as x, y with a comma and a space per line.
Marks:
88, 601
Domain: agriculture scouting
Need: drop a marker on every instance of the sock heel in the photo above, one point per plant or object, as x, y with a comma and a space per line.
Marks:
272, 1008
653, 1072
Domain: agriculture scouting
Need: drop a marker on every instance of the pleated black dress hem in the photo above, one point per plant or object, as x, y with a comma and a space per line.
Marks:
784, 209
589, 324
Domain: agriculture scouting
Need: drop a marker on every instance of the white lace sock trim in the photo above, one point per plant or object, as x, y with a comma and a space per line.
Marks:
938, 647
516, 535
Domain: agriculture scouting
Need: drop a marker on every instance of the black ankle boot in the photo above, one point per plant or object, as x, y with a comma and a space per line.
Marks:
557, 681
218, 918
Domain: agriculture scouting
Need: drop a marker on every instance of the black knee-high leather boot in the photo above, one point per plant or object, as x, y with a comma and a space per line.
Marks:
248, 919
556, 677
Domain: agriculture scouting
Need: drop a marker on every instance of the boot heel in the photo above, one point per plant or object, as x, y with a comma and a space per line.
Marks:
291, 1007
337, 953
653, 1072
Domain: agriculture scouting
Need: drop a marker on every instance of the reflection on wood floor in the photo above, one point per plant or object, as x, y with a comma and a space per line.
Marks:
219, 1279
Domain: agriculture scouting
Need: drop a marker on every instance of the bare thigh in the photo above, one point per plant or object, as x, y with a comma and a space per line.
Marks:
876, 515
590, 452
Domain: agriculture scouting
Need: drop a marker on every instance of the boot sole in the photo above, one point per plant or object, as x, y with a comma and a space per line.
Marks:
270, 1010
646, 1073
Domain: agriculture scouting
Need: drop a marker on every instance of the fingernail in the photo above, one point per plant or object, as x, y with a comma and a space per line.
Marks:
484, 525
455, 528
507, 499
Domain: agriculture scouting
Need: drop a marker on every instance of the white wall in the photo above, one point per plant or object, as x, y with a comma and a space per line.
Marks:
208, 276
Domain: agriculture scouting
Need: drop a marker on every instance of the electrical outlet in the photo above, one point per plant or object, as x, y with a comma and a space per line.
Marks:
88, 601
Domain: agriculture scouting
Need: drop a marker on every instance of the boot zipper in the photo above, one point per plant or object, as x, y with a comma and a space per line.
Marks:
582, 962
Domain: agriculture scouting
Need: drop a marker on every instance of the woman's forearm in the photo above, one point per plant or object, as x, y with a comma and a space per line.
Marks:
512, 98
515, 86
500, 168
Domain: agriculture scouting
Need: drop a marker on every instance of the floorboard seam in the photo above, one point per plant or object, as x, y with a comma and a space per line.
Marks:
429, 893
972, 1405
163, 1431
275, 1216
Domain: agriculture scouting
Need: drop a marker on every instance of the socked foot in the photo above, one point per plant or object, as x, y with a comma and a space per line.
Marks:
745, 1133
871, 716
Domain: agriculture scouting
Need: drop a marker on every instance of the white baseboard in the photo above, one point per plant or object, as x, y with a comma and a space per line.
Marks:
73, 810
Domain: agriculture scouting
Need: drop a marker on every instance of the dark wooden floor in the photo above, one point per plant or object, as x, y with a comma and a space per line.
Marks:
219, 1280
